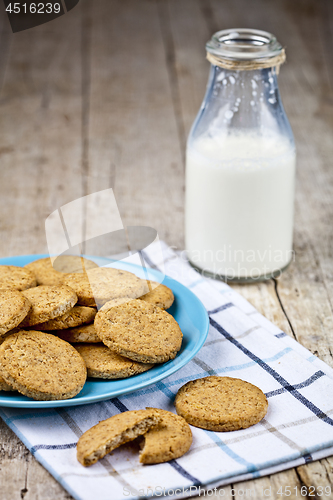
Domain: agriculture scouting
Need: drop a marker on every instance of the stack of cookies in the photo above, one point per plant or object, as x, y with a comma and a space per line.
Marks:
52, 335
60, 324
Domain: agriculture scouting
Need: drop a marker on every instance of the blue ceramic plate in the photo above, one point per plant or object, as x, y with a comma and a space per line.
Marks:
187, 310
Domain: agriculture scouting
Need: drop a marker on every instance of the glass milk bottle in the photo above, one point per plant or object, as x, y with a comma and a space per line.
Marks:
240, 163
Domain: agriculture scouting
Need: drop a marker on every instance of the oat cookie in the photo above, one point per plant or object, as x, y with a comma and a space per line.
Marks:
115, 303
4, 386
101, 362
221, 403
76, 316
103, 284
46, 274
160, 295
14, 307
139, 331
170, 439
104, 437
16, 278
84, 333
41, 366
48, 302
10, 332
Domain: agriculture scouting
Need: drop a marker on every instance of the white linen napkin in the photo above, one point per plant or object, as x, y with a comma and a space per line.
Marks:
241, 343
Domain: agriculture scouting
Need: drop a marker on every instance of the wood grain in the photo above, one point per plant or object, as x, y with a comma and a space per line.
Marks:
40, 132
132, 117
114, 86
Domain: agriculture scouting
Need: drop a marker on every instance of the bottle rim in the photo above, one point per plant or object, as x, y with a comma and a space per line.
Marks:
243, 44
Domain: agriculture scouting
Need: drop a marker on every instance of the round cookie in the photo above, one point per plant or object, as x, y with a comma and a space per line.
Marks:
4, 386
115, 303
76, 316
84, 333
16, 278
14, 307
104, 284
160, 295
139, 331
221, 403
41, 366
109, 434
170, 439
48, 302
46, 274
10, 332
101, 362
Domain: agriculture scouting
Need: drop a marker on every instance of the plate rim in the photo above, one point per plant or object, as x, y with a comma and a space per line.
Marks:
31, 404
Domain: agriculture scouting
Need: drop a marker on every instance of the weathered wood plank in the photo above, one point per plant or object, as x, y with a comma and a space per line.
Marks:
268, 487
13, 464
132, 120
316, 477
40, 485
189, 35
40, 138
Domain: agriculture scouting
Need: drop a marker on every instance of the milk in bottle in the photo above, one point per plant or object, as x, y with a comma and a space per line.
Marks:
240, 167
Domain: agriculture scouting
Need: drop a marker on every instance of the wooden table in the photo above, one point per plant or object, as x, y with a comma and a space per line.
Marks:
117, 84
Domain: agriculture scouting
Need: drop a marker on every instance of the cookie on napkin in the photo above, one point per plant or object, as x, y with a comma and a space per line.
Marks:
109, 434
170, 439
221, 403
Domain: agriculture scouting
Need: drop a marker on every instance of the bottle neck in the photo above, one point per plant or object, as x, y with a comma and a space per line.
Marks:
246, 101
244, 94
